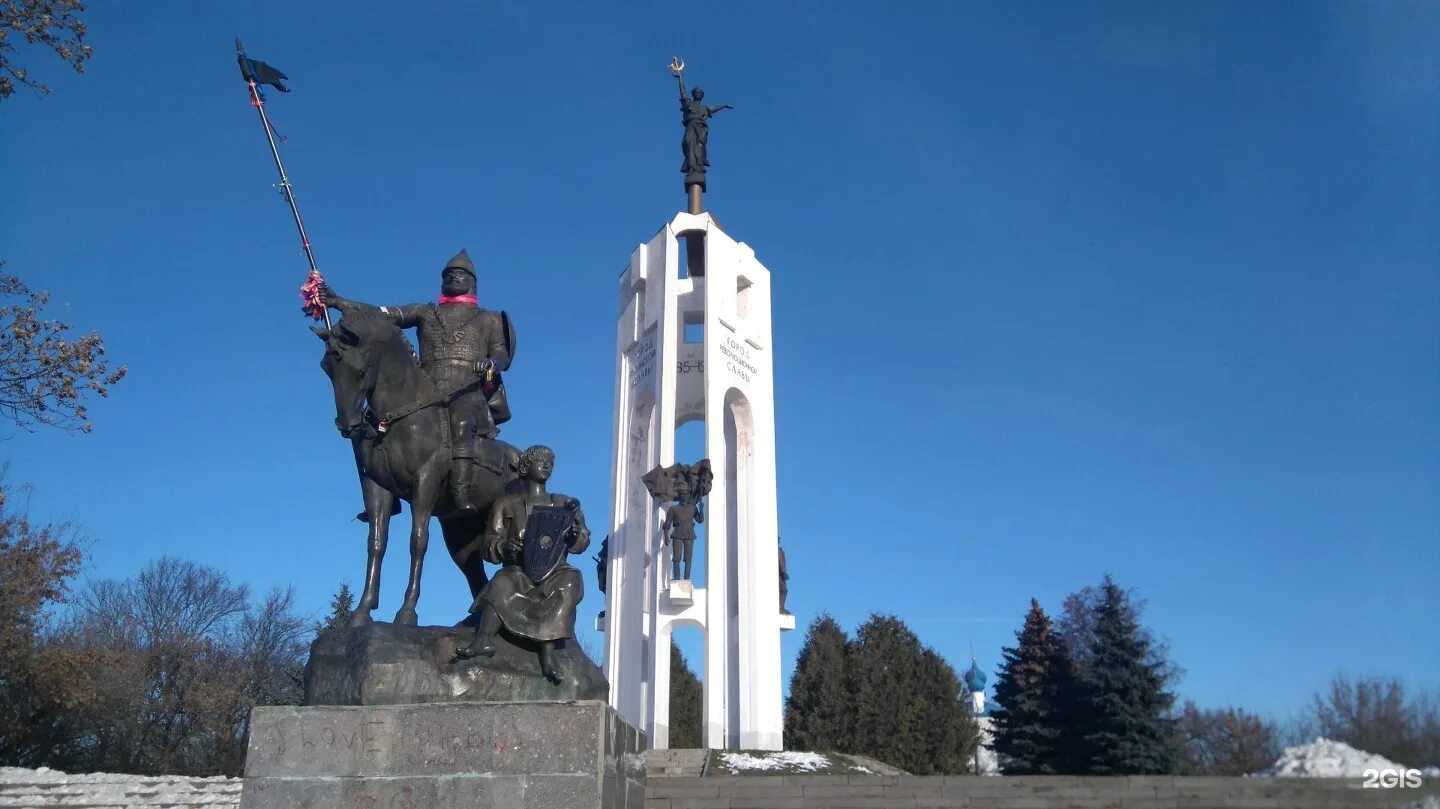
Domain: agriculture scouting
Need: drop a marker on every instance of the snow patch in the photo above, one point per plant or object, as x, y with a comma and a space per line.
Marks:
787, 760
986, 762
1326, 758
1427, 802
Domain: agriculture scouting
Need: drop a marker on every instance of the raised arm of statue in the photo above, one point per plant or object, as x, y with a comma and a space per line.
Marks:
407, 316
402, 316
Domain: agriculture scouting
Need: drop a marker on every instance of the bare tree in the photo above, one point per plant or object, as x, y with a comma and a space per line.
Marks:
53, 24
272, 643
1228, 741
180, 655
45, 374
1425, 730
1373, 714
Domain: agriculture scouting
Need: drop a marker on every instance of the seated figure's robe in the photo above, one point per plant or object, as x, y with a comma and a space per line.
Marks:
543, 611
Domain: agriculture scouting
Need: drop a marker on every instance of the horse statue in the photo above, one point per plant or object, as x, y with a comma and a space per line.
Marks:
396, 421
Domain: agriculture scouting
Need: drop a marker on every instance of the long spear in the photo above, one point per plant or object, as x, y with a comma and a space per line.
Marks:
256, 73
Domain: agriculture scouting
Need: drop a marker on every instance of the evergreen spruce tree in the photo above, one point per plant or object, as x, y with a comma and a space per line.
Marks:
1123, 706
341, 605
950, 734
819, 713
1076, 627
686, 703
1032, 727
885, 667
1060, 694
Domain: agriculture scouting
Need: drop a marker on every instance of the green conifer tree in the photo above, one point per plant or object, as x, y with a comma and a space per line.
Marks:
885, 666
1123, 708
950, 734
819, 713
341, 605
1032, 725
686, 703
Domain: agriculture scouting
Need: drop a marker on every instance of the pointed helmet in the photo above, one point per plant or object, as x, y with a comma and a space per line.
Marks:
461, 261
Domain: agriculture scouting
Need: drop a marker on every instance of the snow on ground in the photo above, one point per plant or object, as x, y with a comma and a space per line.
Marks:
1427, 802
1325, 758
45, 787
986, 762
787, 761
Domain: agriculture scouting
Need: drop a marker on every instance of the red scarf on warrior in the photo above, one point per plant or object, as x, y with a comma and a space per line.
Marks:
470, 299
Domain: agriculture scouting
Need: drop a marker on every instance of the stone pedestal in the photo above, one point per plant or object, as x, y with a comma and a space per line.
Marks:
388, 664
682, 592
516, 755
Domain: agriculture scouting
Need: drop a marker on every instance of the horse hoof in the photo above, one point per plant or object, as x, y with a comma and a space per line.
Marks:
359, 618
407, 617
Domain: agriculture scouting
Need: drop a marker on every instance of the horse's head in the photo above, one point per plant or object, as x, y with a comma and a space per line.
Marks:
351, 361
347, 364
364, 351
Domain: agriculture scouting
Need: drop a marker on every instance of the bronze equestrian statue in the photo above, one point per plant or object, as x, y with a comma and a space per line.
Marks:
423, 431
460, 343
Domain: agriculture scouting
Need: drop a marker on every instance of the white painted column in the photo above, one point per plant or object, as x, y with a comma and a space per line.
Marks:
660, 384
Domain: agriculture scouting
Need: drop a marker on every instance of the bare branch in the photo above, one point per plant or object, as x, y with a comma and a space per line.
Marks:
52, 24
45, 374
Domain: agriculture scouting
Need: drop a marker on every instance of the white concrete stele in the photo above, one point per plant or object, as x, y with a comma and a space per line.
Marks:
724, 379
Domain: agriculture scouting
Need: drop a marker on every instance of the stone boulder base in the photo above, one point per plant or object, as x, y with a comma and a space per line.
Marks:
523, 755
389, 664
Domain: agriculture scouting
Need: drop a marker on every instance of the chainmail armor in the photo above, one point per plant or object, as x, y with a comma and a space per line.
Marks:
437, 337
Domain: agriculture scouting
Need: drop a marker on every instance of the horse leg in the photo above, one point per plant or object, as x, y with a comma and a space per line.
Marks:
427, 492
461, 534
378, 503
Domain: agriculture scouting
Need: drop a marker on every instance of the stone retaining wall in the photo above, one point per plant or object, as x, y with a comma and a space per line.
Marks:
49, 789
681, 762
1022, 792
37, 790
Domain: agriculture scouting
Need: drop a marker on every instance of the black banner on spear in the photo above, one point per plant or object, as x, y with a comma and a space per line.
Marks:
257, 73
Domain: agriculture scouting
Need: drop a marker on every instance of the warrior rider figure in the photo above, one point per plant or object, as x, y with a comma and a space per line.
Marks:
462, 347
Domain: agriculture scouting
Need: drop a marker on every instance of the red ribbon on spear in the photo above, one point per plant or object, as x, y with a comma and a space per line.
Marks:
257, 73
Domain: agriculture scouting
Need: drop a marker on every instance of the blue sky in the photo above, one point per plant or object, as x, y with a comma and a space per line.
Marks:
1059, 289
